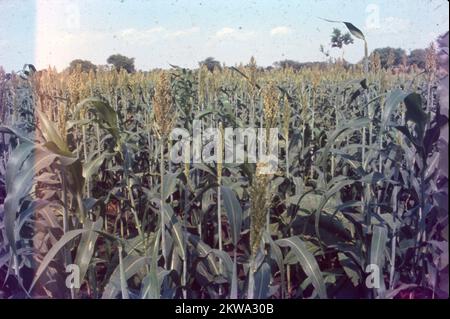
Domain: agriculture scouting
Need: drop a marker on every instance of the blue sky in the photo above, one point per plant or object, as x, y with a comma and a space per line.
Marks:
158, 32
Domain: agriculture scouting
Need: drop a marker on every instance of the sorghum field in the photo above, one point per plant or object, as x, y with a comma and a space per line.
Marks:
93, 207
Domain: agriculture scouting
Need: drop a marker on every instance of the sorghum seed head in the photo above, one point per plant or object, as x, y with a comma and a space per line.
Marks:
163, 106
260, 203
270, 102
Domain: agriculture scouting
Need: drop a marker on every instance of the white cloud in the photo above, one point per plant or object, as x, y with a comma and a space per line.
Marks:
153, 34
224, 32
184, 32
281, 30
135, 35
231, 33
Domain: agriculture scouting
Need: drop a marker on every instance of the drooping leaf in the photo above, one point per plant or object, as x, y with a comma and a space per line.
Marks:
226, 261
278, 256
51, 134
86, 246
131, 265
415, 113
262, 281
348, 127
67, 237
174, 224
106, 116
234, 213
307, 261
393, 99
354, 30
351, 270
16, 132
204, 251
91, 167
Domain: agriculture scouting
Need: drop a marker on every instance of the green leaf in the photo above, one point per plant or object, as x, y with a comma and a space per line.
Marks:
131, 265
348, 127
15, 162
175, 225
106, 116
170, 184
91, 167
416, 114
123, 280
204, 113
26, 213
87, 245
204, 251
350, 269
151, 285
277, 255
372, 178
414, 111
72, 123
67, 237
307, 261
234, 213
51, 134
22, 136
378, 246
14, 189
160, 276
227, 262
336, 187
262, 281
393, 99
24, 162
204, 168
354, 31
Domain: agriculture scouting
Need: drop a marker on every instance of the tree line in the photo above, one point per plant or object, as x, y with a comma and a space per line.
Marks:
386, 57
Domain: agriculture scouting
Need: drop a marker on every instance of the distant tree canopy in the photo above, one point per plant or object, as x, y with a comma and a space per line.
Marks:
84, 65
210, 64
296, 66
284, 64
417, 57
389, 56
338, 40
122, 62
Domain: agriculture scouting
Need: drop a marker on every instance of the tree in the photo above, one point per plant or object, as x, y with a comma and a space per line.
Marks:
339, 40
389, 57
84, 65
122, 62
210, 64
285, 64
417, 57
296, 66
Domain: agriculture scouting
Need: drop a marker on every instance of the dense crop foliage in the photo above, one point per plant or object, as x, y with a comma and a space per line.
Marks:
359, 198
